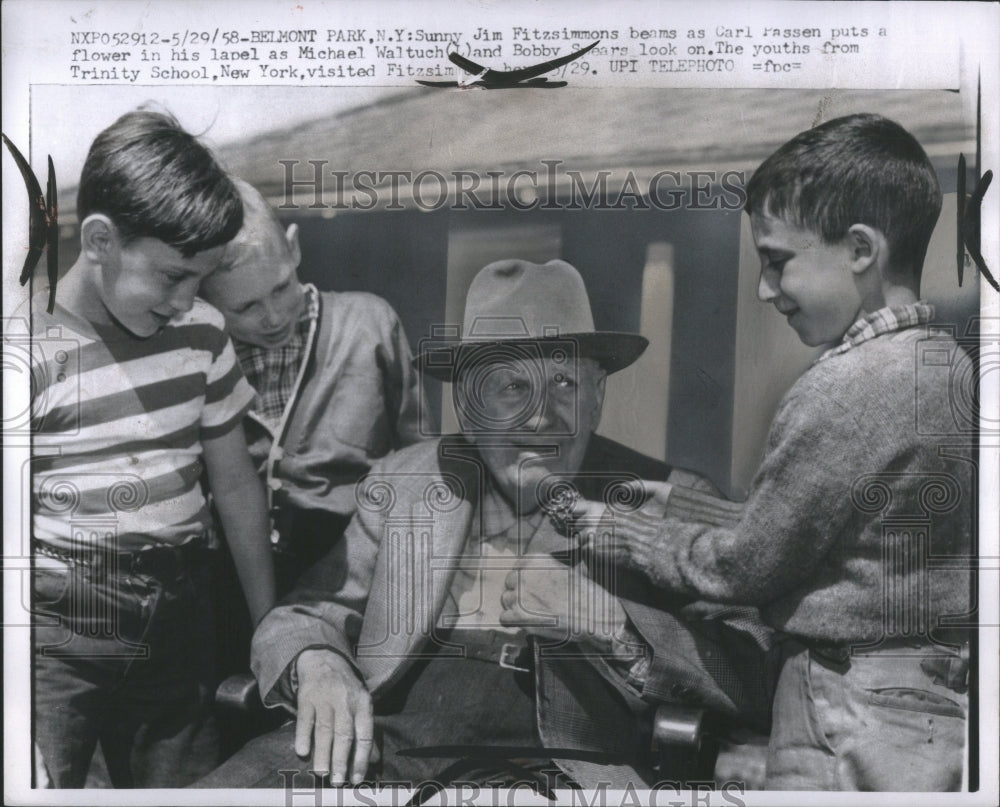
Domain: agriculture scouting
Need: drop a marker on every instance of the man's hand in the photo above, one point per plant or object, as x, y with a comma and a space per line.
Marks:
549, 599
334, 716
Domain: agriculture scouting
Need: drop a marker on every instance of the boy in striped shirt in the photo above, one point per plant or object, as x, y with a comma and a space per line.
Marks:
141, 393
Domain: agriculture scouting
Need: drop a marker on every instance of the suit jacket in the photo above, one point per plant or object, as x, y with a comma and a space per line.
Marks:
376, 599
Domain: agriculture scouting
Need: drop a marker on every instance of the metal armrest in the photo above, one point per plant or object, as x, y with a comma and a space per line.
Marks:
679, 745
689, 751
678, 725
239, 694
241, 713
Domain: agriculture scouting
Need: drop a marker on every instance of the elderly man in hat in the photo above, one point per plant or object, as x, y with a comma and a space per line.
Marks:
455, 614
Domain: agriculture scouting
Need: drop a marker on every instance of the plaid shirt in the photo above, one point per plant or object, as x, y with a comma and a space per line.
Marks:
272, 371
885, 320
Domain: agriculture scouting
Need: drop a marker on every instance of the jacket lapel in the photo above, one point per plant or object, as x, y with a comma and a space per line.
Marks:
315, 356
424, 532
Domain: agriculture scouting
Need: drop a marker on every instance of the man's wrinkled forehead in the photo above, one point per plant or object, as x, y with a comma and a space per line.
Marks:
540, 366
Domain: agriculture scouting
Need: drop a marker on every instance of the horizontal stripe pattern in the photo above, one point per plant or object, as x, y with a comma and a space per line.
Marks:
128, 417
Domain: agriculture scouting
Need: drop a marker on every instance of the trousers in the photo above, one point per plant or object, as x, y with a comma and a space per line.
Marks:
123, 657
441, 700
876, 722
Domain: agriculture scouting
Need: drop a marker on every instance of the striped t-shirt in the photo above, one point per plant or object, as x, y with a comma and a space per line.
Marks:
117, 427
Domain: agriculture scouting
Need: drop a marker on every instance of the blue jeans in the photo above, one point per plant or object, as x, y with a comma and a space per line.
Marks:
124, 658
876, 723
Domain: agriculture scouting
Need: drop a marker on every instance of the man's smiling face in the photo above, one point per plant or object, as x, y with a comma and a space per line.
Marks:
530, 419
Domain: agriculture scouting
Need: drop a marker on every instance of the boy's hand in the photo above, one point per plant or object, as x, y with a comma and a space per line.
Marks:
334, 715
626, 537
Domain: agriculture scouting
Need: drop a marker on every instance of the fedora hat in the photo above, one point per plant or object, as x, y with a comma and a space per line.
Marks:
541, 308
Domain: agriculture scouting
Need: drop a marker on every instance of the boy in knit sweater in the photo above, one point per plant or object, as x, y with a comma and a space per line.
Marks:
858, 522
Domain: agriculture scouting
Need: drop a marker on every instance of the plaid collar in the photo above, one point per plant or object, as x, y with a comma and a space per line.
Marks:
885, 320
272, 372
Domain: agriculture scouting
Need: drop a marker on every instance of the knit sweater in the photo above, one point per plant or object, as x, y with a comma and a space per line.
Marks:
860, 516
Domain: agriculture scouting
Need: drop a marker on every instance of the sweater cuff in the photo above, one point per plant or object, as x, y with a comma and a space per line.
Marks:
684, 504
638, 524
687, 504
283, 693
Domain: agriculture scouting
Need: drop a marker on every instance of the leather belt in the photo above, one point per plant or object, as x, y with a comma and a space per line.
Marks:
508, 650
157, 561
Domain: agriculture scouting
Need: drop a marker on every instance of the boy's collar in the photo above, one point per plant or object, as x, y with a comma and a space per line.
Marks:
880, 322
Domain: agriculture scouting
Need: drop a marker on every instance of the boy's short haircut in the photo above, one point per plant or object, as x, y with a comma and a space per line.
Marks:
859, 169
255, 210
154, 180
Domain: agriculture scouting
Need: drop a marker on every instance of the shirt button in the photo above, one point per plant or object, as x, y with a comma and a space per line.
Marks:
274, 484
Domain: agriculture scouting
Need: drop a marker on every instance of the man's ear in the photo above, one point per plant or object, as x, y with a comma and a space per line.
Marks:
99, 237
868, 247
599, 388
292, 239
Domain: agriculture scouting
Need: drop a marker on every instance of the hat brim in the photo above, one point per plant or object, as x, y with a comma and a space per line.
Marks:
611, 350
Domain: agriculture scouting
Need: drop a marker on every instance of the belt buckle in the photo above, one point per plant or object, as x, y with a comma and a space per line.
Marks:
510, 652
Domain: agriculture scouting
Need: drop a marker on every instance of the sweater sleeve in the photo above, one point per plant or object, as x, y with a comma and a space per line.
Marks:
752, 553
